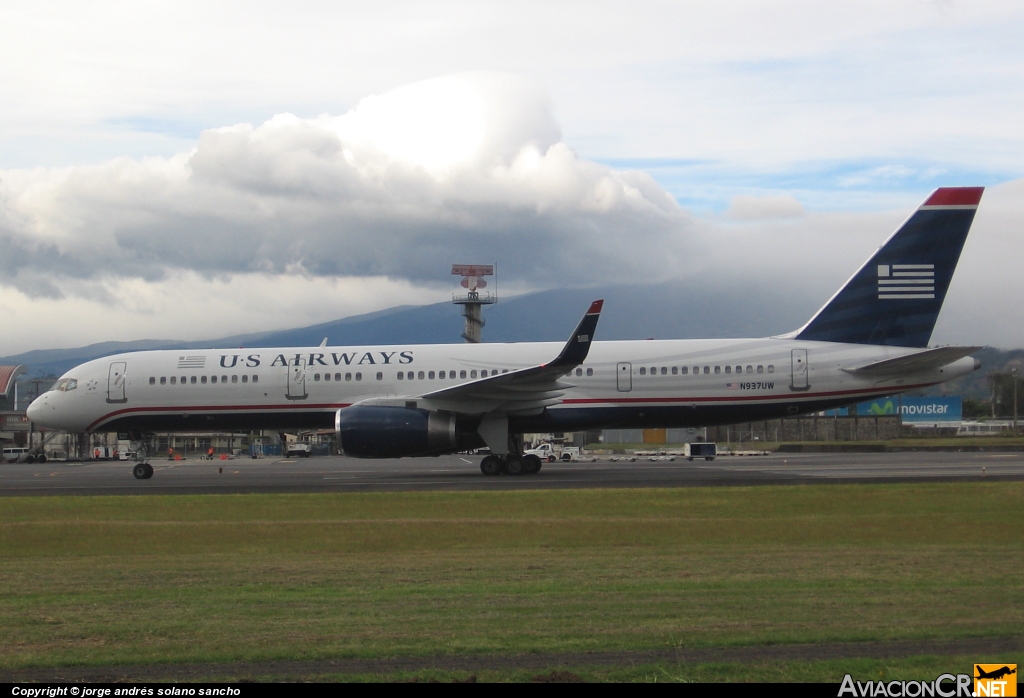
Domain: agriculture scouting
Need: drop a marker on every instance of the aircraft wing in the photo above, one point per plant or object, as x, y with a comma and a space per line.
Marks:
524, 391
914, 363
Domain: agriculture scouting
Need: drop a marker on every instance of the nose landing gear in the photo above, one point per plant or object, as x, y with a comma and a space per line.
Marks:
142, 471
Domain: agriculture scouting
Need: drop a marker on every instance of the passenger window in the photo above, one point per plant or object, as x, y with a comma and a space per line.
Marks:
472, 374
505, 370
234, 379
223, 379
483, 374
760, 369
152, 380
718, 369
359, 376
675, 370
316, 376
739, 369
245, 379
440, 374
163, 380
707, 369
400, 375
462, 374
380, 376
590, 371
728, 369
750, 369
654, 371
213, 379
771, 369
684, 370
579, 371
202, 379
420, 376
174, 379
643, 371
183, 380
664, 371
337, 376
348, 376
255, 379
430, 375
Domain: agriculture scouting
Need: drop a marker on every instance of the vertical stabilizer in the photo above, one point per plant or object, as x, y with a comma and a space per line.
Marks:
895, 298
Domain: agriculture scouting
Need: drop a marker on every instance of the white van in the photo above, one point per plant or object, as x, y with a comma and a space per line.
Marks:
13, 453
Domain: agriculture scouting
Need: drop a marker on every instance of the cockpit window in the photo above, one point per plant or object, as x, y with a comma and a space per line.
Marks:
65, 384
72, 384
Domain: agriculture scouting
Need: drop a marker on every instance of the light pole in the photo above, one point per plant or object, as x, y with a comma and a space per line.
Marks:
1013, 373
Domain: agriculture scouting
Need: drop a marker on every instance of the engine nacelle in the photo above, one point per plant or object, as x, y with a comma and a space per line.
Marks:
370, 431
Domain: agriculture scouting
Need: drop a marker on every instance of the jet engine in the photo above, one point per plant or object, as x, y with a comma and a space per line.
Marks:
371, 431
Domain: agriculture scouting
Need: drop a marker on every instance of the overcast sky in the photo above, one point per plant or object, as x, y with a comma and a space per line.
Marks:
192, 170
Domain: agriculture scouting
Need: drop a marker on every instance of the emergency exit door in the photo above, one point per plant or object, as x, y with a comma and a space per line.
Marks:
800, 379
115, 382
297, 380
624, 377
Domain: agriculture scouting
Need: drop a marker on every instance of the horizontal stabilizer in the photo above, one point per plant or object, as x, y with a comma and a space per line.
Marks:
914, 363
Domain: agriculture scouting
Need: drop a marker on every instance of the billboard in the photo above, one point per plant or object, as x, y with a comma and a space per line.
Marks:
915, 410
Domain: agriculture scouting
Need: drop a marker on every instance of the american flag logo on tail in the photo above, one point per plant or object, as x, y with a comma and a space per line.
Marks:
906, 281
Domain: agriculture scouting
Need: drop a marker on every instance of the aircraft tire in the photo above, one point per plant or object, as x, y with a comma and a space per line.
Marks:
532, 464
41, 458
30, 459
514, 466
140, 472
149, 470
490, 466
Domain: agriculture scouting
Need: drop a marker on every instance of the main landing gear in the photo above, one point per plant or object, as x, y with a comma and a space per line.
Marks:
510, 465
142, 471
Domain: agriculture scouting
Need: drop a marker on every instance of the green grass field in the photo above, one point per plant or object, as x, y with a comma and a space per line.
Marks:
156, 579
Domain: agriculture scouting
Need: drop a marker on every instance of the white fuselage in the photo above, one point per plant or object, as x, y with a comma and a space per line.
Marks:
625, 384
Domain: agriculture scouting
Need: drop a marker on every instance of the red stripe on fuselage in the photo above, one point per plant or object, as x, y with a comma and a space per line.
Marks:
803, 397
200, 409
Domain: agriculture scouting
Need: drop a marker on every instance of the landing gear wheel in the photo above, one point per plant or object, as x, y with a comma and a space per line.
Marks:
514, 466
30, 459
141, 472
490, 466
531, 464
42, 458
149, 470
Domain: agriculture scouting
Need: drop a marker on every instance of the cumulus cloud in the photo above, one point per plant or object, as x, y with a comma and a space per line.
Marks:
465, 167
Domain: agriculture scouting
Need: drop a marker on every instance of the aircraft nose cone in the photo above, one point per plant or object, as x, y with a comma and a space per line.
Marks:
35, 410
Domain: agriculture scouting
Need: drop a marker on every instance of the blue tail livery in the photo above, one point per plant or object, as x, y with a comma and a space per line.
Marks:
895, 298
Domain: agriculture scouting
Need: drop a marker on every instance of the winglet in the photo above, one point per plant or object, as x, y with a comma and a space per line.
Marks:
576, 349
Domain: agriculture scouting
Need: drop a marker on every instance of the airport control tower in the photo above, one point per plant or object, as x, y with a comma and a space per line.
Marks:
472, 280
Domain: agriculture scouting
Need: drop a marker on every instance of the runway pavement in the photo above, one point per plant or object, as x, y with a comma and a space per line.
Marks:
461, 472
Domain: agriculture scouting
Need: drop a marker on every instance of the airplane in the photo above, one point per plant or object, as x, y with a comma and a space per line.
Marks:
869, 340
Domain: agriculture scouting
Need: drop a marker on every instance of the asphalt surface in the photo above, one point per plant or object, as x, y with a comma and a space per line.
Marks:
461, 472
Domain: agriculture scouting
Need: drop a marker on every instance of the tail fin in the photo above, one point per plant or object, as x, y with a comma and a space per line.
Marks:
896, 296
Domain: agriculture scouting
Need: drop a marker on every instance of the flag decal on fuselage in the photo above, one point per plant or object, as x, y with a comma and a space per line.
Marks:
191, 362
897, 281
